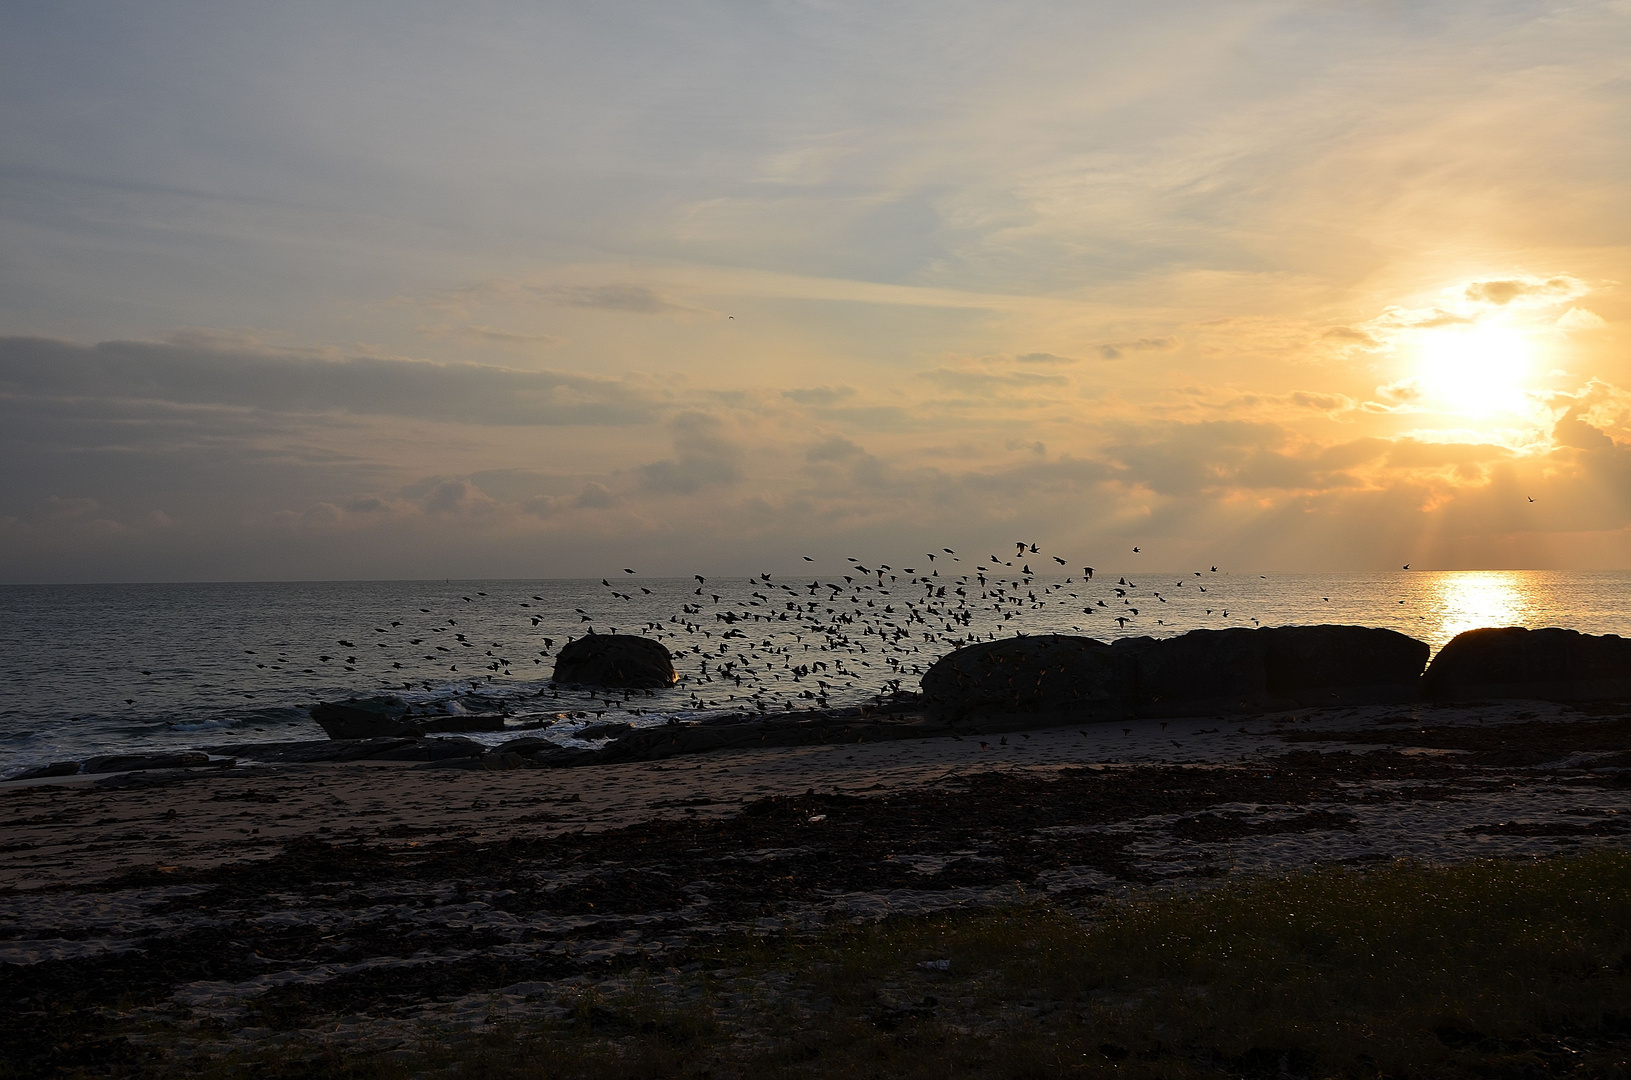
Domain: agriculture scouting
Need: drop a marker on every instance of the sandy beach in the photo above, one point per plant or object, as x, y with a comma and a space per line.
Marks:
360, 901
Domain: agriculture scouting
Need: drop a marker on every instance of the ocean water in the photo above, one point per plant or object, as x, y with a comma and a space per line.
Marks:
92, 669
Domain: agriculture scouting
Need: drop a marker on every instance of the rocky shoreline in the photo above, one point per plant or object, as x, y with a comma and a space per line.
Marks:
365, 899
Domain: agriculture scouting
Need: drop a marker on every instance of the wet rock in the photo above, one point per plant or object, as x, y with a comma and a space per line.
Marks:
1237, 670
363, 718
1200, 673
310, 751
1549, 665
620, 660
39, 772
603, 731
428, 750
1035, 674
428, 725
128, 762
528, 745
390, 717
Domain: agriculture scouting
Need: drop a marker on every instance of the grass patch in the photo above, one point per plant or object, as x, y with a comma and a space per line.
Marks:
1487, 969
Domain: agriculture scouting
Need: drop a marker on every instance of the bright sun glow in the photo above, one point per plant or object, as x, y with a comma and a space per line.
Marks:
1472, 599
1475, 370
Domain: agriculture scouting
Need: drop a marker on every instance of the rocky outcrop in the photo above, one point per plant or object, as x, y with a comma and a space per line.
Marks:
391, 717
1549, 665
187, 759
1199, 673
362, 718
624, 661
1275, 668
1044, 673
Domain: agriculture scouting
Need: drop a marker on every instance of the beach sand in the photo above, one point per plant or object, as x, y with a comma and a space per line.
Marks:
356, 901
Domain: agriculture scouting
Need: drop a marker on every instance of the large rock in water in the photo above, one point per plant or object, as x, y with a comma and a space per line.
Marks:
1512, 662
1199, 673
390, 717
363, 718
620, 660
1277, 667
1044, 673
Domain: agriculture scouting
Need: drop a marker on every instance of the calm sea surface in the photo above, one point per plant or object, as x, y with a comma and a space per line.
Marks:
88, 669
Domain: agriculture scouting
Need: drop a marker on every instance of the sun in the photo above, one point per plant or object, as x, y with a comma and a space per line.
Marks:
1476, 370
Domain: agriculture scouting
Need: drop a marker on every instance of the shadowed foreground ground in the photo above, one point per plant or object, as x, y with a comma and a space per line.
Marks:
767, 911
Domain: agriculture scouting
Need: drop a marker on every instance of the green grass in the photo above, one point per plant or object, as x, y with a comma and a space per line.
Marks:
1488, 969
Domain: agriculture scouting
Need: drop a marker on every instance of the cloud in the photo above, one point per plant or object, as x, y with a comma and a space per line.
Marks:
703, 458
1401, 392
1116, 349
1504, 291
820, 395
1577, 318
975, 381
1350, 334
1573, 430
1046, 358
1326, 403
617, 297
836, 448
296, 383
486, 335
459, 499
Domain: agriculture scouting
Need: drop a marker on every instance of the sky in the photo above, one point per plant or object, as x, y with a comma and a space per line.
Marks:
402, 290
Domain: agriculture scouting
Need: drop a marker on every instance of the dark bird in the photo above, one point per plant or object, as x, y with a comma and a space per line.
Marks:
1058, 560
1135, 551
808, 559
1088, 570
1531, 498
1406, 566
626, 570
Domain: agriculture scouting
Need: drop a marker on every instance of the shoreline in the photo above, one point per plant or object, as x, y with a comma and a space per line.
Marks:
372, 897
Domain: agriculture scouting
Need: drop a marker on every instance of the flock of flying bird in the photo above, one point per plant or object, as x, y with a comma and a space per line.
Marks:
771, 645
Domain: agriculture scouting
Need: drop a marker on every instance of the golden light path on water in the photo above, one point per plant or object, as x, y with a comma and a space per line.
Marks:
1473, 599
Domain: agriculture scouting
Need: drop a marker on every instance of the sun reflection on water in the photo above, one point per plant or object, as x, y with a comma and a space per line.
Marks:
1476, 598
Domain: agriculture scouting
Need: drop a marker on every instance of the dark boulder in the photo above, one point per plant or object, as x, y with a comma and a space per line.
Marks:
187, 759
619, 660
428, 750
528, 745
390, 717
1512, 662
1042, 673
363, 718
436, 724
1195, 674
1274, 668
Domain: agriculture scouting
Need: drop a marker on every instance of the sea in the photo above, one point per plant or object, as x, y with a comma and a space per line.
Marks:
96, 669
